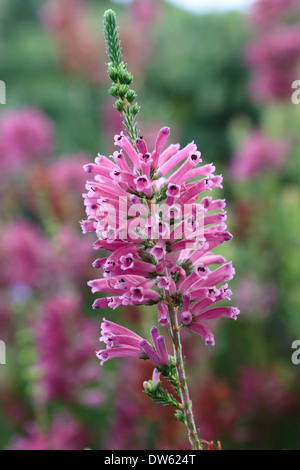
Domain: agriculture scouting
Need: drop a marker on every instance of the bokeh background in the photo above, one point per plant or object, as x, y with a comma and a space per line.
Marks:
221, 79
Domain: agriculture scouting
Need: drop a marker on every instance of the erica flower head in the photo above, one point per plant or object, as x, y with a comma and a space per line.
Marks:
153, 213
154, 257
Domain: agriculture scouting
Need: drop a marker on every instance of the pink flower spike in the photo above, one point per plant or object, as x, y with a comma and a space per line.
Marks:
142, 265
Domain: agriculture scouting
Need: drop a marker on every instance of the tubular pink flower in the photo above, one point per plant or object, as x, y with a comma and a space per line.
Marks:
161, 138
229, 312
177, 158
122, 342
168, 153
124, 143
201, 330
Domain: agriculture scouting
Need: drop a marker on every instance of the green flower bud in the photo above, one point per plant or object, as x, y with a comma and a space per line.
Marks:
135, 109
125, 77
114, 91
113, 73
119, 106
131, 96
123, 90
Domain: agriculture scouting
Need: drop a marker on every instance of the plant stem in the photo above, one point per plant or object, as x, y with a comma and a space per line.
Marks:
183, 383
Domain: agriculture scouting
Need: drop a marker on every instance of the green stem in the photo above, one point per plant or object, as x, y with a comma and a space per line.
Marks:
183, 383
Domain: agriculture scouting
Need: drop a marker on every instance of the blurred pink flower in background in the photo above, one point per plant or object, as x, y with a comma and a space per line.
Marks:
275, 60
215, 407
65, 343
78, 46
261, 391
32, 261
64, 434
257, 154
52, 190
68, 256
253, 297
264, 13
144, 11
137, 34
23, 254
24, 134
65, 173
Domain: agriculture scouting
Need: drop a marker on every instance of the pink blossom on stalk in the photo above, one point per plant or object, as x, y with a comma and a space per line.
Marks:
24, 134
258, 153
157, 236
138, 269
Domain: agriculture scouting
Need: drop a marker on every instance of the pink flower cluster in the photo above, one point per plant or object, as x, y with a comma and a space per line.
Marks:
258, 153
167, 268
24, 134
